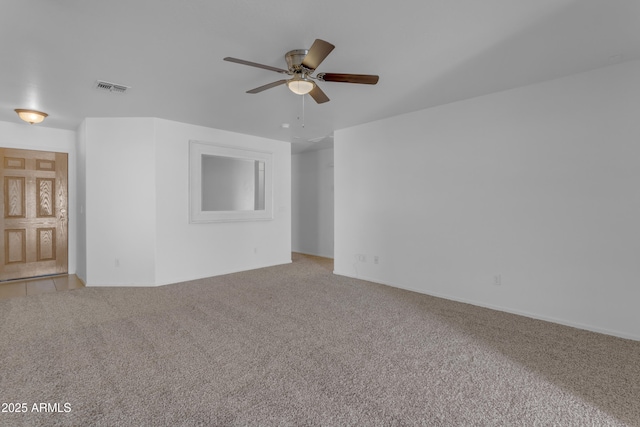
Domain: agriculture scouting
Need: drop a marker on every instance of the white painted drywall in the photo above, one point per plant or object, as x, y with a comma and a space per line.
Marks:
312, 202
120, 214
42, 138
137, 206
189, 251
525, 200
81, 196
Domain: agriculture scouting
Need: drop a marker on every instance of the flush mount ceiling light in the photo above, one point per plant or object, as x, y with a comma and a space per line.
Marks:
300, 85
31, 116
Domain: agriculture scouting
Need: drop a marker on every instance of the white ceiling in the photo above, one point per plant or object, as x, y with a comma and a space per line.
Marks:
426, 52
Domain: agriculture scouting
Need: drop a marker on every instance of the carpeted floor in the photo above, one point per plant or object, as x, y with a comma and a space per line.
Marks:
296, 345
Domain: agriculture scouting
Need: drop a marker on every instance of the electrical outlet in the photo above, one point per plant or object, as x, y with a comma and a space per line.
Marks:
376, 260
497, 280
362, 257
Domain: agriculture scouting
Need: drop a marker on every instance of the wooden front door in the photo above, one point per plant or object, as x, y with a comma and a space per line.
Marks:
33, 233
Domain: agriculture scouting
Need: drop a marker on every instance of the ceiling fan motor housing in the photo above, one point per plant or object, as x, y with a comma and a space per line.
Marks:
294, 59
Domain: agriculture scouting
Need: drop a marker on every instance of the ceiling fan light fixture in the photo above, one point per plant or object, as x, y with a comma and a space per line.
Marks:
300, 85
31, 116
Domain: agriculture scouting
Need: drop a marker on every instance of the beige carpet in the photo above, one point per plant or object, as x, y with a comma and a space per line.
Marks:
296, 345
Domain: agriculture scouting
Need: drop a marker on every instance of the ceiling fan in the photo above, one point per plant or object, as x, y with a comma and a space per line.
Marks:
302, 63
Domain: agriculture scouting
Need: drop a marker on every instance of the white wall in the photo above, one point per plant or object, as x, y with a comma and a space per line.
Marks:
120, 201
81, 196
189, 251
42, 138
312, 202
534, 188
137, 206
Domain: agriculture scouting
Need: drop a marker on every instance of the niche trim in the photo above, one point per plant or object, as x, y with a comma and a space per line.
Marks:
198, 152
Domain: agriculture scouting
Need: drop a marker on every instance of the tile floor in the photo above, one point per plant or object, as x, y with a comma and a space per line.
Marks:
39, 285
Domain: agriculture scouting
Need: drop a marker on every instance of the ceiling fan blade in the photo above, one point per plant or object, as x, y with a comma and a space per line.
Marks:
255, 64
267, 86
365, 79
317, 53
318, 95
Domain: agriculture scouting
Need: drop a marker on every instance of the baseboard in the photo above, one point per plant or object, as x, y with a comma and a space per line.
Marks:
189, 278
503, 309
313, 254
222, 273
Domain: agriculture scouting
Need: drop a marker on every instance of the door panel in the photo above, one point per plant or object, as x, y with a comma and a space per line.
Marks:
33, 230
14, 197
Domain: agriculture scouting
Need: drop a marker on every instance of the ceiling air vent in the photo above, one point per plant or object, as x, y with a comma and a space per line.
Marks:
111, 87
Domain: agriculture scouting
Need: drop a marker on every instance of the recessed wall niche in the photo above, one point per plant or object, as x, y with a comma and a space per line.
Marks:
228, 183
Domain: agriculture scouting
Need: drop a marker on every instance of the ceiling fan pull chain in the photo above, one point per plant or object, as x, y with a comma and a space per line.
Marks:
303, 110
